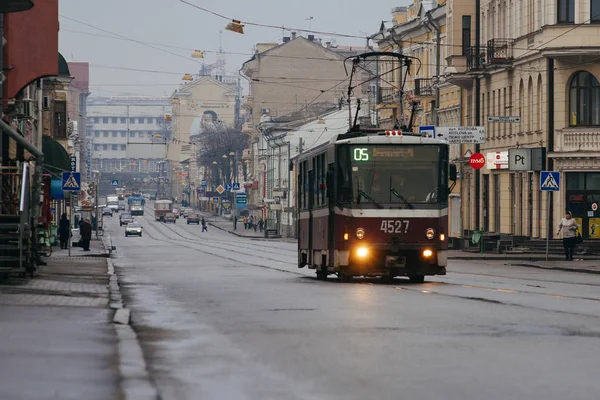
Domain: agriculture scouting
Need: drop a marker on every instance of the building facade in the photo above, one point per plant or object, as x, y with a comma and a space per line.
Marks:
285, 79
537, 63
203, 104
420, 95
127, 134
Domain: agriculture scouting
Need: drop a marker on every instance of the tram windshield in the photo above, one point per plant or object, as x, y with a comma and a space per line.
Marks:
384, 176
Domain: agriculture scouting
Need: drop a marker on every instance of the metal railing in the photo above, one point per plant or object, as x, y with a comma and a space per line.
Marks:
387, 95
500, 51
476, 61
424, 87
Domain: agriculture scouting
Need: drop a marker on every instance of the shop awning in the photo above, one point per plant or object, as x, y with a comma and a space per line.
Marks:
56, 158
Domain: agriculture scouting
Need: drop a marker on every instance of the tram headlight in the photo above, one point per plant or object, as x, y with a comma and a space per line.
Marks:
427, 253
362, 252
360, 233
430, 233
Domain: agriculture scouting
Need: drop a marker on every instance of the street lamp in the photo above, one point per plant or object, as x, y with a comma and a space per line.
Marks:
97, 196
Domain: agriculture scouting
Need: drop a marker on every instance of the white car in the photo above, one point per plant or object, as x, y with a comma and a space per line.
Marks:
134, 229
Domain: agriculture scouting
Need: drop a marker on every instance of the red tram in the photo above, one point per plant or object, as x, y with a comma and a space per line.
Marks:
374, 204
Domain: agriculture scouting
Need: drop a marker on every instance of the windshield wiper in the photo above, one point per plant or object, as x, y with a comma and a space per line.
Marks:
366, 196
398, 195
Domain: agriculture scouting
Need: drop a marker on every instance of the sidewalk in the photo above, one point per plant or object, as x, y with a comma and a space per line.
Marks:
587, 264
57, 338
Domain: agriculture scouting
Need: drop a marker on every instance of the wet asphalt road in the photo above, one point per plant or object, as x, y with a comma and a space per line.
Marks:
222, 317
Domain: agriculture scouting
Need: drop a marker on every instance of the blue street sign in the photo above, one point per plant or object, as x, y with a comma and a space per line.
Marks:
73, 163
114, 182
203, 183
228, 187
216, 200
236, 186
71, 181
427, 131
241, 200
549, 181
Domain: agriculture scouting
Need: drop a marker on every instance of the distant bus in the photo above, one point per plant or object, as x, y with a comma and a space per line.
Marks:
121, 193
136, 205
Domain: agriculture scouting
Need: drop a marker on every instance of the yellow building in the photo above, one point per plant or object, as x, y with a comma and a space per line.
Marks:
204, 103
419, 32
539, 65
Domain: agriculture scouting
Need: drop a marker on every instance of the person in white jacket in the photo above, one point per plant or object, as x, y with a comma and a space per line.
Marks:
569, 227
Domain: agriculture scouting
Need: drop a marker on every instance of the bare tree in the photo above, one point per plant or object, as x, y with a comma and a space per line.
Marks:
214, 147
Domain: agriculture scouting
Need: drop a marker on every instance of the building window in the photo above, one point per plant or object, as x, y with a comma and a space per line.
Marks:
123, 147
115, 147
113, 120
96, 134
132, 134
89, 133
114, 134
584, 99
466, 34
123, 120
595, 10
60, 119
140, 120
150, 120
566, 11
123, 133
104, 147
104, 134
105, 120
132, 120
96, 147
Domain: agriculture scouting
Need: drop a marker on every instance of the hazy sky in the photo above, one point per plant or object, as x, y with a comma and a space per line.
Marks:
172, 23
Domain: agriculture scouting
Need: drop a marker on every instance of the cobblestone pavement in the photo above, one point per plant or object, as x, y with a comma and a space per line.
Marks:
58, 340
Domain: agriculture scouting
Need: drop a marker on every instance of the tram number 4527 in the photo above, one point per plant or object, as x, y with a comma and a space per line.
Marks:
394, 226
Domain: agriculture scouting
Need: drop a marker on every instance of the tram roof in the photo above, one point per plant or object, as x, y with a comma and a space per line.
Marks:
379, 137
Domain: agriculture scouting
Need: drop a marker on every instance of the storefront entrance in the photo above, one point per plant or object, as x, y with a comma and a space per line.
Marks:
583, 200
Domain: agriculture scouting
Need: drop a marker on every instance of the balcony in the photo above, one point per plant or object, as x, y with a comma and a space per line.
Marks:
585, 139
424, 87
500, 51
388, 95
476, 62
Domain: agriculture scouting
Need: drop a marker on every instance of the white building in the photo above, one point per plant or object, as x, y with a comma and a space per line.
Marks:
128, 134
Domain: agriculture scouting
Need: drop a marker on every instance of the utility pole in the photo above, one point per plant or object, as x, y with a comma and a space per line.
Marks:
477, 105
437, 68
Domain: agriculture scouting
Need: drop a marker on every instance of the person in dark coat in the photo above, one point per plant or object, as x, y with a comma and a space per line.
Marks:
204, 228
64, 231
86, 234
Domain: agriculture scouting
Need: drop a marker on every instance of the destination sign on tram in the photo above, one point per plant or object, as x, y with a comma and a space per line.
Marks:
367, 153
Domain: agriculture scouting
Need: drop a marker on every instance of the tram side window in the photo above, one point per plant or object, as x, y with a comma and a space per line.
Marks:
344, 179
304, 185
319, 190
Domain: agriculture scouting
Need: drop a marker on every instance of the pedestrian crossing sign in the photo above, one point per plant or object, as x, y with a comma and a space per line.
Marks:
549, 181
71, 181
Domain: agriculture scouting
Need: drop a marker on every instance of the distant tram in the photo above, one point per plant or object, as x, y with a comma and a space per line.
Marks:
136, 205
374, 203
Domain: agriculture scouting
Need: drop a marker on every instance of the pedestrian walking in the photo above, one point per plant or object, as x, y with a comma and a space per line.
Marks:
235, 219
64, 231
261, 225
569, 227
86, 234
204, 228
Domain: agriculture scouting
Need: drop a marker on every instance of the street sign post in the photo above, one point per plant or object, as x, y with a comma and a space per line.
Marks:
505, 119
220, 189
114, 182
203, 183
549, 182
71, 181
461, 134
228, 187
236, 186
73, 163
477, 161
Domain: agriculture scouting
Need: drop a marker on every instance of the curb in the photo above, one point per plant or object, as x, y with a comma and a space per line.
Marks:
513, 258
237, 234
135, 379
579, 270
